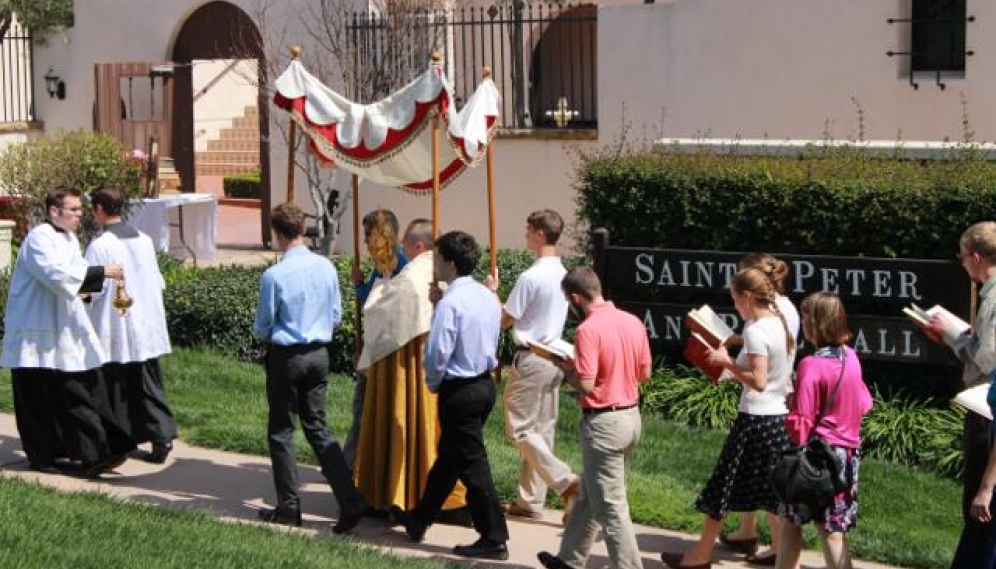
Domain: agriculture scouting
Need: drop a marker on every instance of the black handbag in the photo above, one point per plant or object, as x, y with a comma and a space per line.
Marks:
811, 474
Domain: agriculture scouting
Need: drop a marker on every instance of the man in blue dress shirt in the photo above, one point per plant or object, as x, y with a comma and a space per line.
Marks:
459, 357
299, 309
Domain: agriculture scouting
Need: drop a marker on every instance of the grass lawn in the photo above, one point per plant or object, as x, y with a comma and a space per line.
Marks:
908, 518
96, 532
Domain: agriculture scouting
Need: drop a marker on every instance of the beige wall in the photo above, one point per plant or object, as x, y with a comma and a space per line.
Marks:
528, 175
781, 68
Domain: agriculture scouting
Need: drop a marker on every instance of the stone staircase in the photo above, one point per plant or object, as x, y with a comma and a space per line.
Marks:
235, 150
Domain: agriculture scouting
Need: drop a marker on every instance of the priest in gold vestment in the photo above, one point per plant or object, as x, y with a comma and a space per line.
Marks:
399, 429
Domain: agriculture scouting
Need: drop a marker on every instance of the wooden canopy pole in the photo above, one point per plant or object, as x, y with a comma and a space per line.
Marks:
292, 139
437, 61
486, 74
358, 336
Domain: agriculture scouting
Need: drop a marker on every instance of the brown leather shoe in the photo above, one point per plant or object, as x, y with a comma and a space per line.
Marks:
673, 560
512, 508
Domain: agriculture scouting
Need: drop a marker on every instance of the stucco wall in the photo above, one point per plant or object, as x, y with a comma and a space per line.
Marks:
529, 174
782, 68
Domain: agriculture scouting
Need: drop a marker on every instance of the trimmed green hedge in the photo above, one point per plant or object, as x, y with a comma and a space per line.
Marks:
245, 185
214, 307
830, 202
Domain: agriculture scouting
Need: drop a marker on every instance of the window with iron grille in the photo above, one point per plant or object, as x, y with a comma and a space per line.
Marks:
938, 35
16, 67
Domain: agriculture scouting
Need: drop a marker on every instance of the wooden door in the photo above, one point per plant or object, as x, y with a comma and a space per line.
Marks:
134, 101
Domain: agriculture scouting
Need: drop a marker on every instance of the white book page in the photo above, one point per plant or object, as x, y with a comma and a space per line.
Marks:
708, 318
956, 325
974, 399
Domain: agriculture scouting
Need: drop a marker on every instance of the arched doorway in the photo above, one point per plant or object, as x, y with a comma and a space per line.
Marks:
218, 30
564, 66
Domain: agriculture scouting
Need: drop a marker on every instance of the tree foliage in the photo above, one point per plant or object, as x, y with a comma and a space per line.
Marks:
83, 160
37, 15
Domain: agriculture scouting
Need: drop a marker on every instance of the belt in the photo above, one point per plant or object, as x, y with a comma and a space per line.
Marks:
609, 409
519, 348
485, 375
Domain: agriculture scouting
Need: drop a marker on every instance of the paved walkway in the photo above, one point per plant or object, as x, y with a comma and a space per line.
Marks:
234, 486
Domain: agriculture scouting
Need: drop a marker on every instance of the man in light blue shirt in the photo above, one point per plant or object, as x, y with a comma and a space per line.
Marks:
298, 312
459, 357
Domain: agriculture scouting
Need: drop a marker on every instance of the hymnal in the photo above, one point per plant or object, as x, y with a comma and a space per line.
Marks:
709, 325
953, 326
697, 351
557, 349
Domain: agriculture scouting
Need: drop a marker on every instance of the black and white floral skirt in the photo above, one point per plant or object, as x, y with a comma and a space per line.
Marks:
739, 481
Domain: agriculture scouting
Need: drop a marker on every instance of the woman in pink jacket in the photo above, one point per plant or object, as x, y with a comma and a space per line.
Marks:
824, 324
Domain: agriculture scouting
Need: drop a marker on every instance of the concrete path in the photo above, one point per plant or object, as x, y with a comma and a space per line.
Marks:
235, 486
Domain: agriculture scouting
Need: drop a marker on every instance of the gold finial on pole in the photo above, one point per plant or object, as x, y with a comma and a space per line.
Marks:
295, 52
436, 58
486, 72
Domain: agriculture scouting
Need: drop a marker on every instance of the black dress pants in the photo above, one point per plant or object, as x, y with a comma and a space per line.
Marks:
977, 544
296, 383
464, 406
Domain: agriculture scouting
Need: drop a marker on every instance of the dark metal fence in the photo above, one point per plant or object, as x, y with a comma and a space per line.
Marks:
16, 75
543, 57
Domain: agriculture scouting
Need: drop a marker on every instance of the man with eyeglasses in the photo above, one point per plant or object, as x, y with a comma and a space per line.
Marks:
52, 350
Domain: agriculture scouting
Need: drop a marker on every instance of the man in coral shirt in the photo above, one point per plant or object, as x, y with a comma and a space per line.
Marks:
611, 357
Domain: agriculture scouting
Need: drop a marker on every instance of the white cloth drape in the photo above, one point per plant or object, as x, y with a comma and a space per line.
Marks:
390, 142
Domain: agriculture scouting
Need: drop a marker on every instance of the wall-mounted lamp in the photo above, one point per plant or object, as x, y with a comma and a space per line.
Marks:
55, 86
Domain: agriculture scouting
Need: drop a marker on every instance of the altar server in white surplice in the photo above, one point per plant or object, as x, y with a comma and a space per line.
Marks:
134, 341
52, 350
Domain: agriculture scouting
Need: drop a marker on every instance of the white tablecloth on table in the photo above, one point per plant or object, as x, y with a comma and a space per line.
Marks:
200, 219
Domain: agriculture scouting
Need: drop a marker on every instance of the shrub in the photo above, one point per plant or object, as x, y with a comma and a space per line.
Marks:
915, 434
83, 160
683, 395
215, 307
244, 185
828, 202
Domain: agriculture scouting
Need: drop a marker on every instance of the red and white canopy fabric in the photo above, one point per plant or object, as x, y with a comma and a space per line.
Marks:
390, 141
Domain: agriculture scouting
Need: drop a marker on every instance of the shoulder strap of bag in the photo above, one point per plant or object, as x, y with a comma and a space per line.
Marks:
833, 394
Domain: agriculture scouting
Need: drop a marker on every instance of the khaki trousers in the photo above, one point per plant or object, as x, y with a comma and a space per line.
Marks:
531, 402
607, 439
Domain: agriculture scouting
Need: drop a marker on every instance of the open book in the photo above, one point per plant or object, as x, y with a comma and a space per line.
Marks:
974, 399
697, 350
953, 326
557, 349
705, 322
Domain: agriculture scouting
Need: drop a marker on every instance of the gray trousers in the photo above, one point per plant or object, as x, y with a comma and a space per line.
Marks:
296, 383
531, 403
607, 439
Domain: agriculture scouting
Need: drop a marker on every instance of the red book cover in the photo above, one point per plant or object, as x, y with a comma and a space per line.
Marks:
697, 353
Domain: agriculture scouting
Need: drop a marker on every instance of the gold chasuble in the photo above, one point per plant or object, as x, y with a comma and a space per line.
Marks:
399, 430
